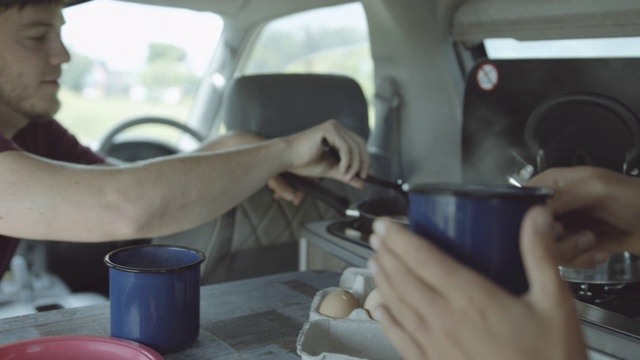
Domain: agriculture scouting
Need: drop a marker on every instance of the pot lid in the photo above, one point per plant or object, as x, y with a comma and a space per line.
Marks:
583, 128
620, 268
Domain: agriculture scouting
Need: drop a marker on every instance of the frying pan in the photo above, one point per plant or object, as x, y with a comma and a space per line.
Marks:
395, 208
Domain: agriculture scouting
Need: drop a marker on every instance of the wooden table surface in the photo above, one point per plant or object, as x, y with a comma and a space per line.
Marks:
257, 318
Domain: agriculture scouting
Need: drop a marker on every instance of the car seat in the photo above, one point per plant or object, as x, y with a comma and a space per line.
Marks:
260, 236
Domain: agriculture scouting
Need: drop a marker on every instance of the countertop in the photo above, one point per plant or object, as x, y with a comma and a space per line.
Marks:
257, 318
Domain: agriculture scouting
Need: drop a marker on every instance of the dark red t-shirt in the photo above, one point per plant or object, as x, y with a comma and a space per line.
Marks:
45, 138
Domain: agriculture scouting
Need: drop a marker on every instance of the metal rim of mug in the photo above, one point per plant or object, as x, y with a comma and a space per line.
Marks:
480, 190
113, 265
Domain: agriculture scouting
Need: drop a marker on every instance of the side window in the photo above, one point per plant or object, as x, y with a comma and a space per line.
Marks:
148, 63
331, 40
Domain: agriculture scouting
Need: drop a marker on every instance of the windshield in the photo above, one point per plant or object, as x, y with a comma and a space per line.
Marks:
148, 62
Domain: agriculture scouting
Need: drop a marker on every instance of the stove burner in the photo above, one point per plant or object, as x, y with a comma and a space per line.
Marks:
622, 298
352, 230
596, 293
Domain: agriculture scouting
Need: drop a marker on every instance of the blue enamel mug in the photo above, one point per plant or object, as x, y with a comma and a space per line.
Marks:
477, 224
154, 291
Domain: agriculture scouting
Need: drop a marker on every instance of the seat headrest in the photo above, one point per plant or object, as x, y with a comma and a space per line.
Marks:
282, 104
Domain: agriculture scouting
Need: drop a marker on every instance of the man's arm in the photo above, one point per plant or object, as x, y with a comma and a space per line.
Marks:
59, 201
281, 189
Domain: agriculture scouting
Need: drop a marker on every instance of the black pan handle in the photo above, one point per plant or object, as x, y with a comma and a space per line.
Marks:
374, 180
313, 188
396, 186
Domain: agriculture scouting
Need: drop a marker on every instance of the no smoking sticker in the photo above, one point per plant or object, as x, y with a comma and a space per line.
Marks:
487, 76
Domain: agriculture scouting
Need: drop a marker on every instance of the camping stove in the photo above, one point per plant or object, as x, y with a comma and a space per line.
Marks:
610, 313
611, 318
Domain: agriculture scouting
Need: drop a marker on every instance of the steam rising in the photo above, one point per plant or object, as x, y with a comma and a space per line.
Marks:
491, 153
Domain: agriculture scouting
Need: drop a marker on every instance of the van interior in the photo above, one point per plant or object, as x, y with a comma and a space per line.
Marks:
478, 91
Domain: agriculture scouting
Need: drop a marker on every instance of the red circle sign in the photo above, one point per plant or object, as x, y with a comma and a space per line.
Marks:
487, 76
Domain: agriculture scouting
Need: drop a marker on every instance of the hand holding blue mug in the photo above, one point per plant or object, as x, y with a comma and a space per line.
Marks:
477, 224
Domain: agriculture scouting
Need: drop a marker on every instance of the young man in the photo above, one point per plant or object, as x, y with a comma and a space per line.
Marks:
53, 188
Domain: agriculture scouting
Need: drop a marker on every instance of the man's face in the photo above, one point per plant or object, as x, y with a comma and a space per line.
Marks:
31, 58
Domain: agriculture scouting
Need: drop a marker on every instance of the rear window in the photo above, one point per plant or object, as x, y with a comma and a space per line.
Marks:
565, 48
330, 40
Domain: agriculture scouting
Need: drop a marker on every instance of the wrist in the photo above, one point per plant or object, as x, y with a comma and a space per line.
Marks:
282, 151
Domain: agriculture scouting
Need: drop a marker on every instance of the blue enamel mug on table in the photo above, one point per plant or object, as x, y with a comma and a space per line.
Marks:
477, 224
154, 291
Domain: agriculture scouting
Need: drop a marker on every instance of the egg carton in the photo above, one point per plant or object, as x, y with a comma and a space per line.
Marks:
359, 282
356, 337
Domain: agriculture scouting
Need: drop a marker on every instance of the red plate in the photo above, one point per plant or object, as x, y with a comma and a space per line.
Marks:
78, 348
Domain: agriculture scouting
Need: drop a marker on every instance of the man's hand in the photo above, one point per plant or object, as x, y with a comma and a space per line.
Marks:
436, 308
309, 157
282, 190
599, 210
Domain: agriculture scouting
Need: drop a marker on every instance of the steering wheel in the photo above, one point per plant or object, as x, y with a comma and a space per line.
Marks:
133, 150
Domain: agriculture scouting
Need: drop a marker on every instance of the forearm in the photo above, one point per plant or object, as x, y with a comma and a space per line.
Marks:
155, 197
212, 184
230, 140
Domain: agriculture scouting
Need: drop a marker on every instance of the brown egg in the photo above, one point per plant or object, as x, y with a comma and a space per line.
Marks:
372, 300
338, 304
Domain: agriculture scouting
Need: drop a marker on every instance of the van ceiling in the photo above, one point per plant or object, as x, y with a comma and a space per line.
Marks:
252, 9
474, 21
545, 19
220, 6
